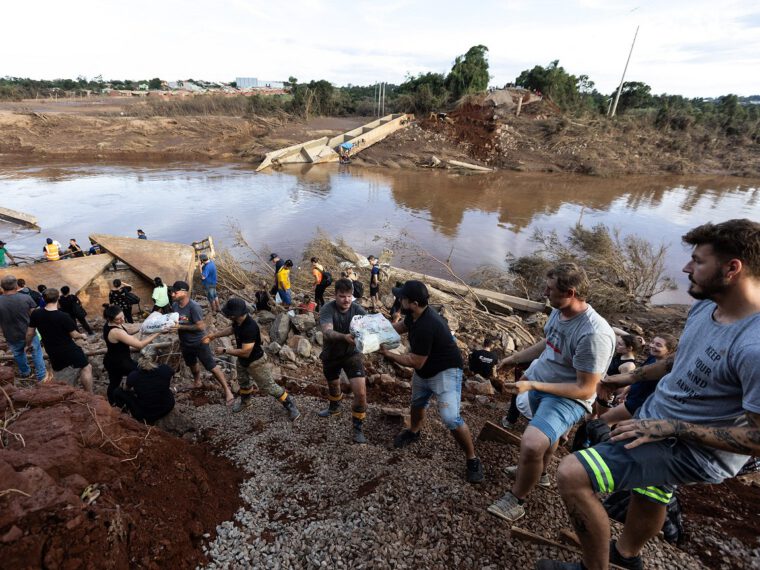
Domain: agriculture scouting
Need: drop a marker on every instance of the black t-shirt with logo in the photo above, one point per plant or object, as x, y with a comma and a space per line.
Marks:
341, 322
482, 362
248, 332
430, 336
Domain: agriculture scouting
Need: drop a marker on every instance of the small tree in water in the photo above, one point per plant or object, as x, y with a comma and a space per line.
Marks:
625, 273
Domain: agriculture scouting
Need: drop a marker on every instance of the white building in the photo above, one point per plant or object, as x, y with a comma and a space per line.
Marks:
254, 83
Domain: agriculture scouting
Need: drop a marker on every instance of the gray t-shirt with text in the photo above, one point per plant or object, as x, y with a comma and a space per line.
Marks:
14, 315
715, 379
189, 315
584, 343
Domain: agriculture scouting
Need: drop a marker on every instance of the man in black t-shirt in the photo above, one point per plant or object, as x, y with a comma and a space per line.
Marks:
58, 332
72, 306
340, 353
278, 263
252, 364
482, 361
148, 396
437, 364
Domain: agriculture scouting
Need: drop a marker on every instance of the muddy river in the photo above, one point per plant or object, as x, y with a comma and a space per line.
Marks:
474, 220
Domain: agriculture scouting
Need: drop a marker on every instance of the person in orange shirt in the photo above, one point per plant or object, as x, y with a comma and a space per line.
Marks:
321, 282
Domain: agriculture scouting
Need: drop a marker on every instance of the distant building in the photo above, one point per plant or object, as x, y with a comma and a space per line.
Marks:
254, 83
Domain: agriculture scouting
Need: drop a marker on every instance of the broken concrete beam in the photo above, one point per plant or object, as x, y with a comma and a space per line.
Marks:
19, 218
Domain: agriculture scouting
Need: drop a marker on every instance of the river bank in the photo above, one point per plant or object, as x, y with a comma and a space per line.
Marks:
540, 140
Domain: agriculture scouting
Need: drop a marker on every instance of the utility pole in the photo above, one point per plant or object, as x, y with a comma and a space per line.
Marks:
382, 108
622, 79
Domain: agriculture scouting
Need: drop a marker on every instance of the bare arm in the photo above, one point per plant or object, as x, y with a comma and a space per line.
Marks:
120, 335
242, 352
416, 361
653, 371
626, 367
199, 326
400, 327
219, 334
737, 439
76, 335
526, 355
329, 333
30, 332
584, 387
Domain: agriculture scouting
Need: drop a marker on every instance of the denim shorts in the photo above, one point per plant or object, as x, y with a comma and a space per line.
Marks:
210, 292
553, 415
285, 296
447, 388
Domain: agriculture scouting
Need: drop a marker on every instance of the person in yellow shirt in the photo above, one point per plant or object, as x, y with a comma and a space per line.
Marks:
52, 250
283, 283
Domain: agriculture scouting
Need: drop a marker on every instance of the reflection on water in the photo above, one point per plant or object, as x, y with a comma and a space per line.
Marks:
473, 220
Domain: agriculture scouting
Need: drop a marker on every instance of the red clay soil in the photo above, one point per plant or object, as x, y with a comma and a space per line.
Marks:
158, 494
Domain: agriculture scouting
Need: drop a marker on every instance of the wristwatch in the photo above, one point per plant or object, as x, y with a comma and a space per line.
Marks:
224, 351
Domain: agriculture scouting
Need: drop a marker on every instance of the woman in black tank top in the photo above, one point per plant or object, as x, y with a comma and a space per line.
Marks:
118, 361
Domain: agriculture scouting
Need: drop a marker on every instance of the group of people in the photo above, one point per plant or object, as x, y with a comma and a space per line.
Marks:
690, 414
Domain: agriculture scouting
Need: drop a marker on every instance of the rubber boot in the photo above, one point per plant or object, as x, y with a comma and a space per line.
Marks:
358, 433
331, 410
290, 405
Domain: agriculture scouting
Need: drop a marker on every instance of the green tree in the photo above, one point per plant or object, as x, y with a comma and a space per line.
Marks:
469, 74
635, 95
554, 82
154, 83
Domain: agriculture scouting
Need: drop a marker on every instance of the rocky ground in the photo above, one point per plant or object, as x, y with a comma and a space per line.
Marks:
280, 495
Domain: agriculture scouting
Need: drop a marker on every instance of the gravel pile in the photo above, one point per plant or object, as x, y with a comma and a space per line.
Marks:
316, 500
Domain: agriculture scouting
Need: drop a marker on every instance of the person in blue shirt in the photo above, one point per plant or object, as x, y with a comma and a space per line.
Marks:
141, 235
208, 278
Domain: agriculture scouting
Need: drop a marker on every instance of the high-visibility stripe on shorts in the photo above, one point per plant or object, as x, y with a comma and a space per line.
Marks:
656, 494
602, 473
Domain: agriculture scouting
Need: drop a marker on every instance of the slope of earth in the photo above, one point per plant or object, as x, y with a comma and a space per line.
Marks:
85, 486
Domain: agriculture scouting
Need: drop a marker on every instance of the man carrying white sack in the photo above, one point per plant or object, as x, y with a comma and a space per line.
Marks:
438, 365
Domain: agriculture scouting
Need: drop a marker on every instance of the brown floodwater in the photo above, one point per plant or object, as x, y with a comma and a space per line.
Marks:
472, 220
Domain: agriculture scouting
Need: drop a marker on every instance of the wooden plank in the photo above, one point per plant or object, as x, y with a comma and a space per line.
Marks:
492, 432
523, 534
468, 166
568, 536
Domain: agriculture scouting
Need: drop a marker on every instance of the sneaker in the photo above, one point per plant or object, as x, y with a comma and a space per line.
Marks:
557, 565
24, 376
405, 438
632, 563
508, 508
242, 403
474, 471
544, 481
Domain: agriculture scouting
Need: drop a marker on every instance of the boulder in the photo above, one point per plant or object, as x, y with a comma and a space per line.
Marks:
280, 328
451, 318
304, 348
175, 422
294, 340
304, 323
318, 338
264, 317
482, 388
507, 342
388, 300
274, 348
405, 385
386, 380
286, 353
482, 400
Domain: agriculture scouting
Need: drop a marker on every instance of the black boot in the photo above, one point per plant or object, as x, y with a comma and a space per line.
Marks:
290, 405
358, 433
331, 410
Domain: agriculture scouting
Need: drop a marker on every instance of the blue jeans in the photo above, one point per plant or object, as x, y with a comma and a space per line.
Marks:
285, 296
553, 415
447, 388
23, 363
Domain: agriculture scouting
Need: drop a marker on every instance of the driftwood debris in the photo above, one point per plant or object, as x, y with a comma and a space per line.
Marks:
492, 432
523, 534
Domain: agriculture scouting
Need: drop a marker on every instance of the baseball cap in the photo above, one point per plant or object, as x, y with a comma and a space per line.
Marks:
272, 256
413, 291
180, 286
2, 242
235, 307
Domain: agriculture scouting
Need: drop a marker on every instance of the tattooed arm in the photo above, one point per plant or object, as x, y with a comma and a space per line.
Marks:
737, 439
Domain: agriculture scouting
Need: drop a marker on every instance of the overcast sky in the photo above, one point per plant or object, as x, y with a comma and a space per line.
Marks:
693, 48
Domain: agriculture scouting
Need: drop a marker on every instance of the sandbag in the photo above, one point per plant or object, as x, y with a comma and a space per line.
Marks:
156, 322
370, 331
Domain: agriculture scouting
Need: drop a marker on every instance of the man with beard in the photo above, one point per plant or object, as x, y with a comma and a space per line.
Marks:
437, 364
561, 381
702, 422
340, 353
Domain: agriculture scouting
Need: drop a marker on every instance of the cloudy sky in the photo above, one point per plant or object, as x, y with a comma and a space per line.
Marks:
694, 48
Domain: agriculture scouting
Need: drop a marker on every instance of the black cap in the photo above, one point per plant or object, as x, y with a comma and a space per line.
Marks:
413, 291
235, 307
180, 286
272, 256
2, 242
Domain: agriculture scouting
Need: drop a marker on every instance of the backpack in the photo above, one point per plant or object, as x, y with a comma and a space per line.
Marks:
327, 278
590, 433
358, 289
35, 295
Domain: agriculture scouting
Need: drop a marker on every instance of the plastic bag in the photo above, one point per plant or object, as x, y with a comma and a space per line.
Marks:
156, 322
370, 331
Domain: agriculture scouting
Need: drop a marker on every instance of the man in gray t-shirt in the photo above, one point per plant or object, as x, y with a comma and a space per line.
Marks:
15, 309
340, 354
703, 420
561, 381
